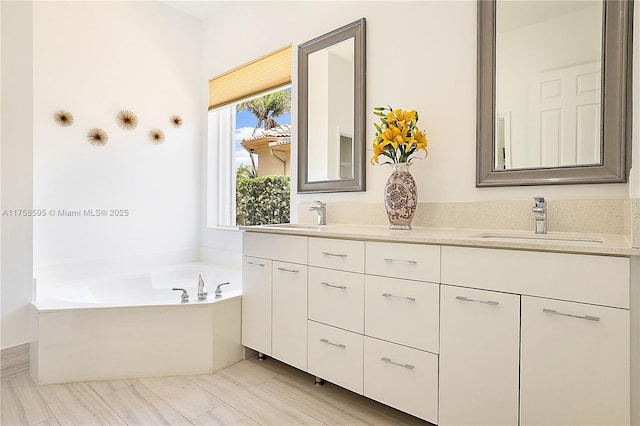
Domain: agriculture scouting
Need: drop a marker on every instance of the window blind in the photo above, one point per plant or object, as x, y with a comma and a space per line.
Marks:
264, 74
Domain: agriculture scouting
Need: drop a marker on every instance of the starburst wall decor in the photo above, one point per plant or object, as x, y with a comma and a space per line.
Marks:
97, 137
127, 120
63, 118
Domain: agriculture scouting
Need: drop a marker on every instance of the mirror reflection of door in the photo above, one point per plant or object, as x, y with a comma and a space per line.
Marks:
548, 61
565, 117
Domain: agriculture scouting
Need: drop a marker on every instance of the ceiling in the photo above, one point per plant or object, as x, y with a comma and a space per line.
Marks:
202, 9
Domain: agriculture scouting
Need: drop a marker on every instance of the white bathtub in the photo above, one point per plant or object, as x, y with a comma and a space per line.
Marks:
134, 325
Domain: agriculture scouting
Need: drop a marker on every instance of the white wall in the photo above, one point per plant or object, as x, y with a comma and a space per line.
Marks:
95, 59
17, 152
436, 76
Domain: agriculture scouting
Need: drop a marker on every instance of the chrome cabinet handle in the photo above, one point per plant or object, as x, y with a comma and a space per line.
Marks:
411, 262
326, 253
295, 271
341, 287
413, 299
339, 345
584, 317
389, 361
255, 264
486, 302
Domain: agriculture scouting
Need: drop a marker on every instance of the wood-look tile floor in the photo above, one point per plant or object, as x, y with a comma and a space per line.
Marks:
251, 392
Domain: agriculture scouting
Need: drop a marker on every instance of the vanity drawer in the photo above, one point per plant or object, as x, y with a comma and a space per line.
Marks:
337, 298
344, 255
412, 261
600, 280
286, 248
336, 355
402, 311
404, 378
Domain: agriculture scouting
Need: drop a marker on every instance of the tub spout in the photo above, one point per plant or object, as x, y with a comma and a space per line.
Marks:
202, 290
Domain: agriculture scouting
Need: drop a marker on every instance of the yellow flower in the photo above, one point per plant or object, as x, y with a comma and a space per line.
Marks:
377, 150
392, 136
421, 140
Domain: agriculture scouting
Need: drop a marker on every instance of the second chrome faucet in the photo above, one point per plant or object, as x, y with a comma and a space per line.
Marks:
540, 212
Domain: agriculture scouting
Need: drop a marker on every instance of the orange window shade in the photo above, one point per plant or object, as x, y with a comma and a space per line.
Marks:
264, 74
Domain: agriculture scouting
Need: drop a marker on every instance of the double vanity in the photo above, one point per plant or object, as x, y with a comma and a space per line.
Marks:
452, 326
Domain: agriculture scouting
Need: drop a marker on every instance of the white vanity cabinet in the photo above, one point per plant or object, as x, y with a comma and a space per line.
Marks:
575, 365
274, 296
479, 357
455, 335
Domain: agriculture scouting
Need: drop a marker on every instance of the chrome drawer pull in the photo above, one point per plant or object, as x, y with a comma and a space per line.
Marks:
585, 317
411, 262
295, 271
326, 253
387, 360
341, 287
486, 302
339, 345
255, 264
413, 299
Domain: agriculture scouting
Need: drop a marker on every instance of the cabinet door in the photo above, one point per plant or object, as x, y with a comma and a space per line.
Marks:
289, 305
256, 304
479, 355
575, 364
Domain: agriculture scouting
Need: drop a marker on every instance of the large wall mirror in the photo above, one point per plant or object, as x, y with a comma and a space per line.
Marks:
554, 92
331, 116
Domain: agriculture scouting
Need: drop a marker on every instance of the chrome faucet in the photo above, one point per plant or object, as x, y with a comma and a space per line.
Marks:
540, 211
321, 209
184, 298
218, 291
202, 290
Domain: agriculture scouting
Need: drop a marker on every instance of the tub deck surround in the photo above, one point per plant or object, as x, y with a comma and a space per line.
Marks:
134, 325
604, 244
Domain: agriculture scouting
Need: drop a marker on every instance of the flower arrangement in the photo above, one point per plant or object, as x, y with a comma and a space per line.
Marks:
397, 137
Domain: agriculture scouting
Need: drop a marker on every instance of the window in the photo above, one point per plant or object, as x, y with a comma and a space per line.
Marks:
249, 143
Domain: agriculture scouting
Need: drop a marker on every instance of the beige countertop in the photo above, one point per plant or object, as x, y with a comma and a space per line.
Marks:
605, 244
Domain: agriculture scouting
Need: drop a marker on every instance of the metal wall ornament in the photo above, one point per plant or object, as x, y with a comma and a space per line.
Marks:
97, 137
127, 120
63, 118
177, 121
157, 136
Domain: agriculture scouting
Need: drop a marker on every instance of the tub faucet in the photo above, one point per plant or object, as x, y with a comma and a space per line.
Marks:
184, 298
540, 211
321, 209
202, 290
218, 291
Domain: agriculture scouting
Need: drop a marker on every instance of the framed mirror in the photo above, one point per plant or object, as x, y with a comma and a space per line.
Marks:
554, 92
331, 115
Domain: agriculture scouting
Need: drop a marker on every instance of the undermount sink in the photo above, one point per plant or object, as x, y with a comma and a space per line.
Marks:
541, 237
293, 226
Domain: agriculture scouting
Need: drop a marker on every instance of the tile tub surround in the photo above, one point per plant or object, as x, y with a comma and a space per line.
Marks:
578, 216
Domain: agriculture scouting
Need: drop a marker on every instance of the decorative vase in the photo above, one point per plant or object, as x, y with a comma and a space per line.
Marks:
400, 196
